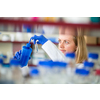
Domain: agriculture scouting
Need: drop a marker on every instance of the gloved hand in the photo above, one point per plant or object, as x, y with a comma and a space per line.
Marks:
41, 39
18, 55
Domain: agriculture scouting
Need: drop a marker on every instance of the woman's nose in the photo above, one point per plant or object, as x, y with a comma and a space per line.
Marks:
61, 45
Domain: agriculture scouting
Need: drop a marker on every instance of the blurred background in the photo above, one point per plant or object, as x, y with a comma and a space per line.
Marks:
16, 32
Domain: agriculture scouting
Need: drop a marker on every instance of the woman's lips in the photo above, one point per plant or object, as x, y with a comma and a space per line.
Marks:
63, 51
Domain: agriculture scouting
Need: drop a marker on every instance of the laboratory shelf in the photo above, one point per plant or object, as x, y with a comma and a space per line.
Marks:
14, 42
95, 45
29, 65
20, 42
21, 22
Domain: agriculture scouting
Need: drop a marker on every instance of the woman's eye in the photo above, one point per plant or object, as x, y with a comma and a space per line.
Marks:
66, 42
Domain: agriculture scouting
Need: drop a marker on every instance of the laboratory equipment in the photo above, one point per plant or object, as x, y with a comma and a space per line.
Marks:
25, 55
6, 74
81, 76
45, 68
36, 47
70, 59
16, 71
93, 57
35, 77
59, 72
88, 65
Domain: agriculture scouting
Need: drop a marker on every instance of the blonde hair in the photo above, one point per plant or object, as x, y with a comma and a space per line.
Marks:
81, 51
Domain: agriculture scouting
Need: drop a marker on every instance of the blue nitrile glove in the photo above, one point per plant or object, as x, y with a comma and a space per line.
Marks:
41, 39
18, 55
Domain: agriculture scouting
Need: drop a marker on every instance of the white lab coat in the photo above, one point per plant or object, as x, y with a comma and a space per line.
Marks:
54, 53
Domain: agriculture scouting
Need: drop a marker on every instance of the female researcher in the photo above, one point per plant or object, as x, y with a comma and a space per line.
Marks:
70, 40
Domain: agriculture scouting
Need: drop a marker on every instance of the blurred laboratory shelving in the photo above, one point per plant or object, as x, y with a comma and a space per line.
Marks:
19, 42
21, 22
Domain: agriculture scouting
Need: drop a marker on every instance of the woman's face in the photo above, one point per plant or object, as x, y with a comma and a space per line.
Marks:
66, 42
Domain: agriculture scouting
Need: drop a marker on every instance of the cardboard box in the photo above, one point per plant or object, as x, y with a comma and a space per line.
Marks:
90, 40
99, 40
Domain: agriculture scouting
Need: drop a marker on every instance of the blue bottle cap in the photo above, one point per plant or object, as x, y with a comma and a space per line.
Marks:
14, 62
88, 64
1, 61
28, 45
82, 72
34, 72
48, 63
93, 55
4, 56
70, 55
28, 29
60, 64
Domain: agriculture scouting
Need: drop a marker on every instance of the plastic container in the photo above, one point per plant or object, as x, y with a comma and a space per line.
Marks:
95, 19
45, 68
77, 19
70, 59
26, 52
59, 72
88, 65
82, 76
49, 29
6, 74
19, 36
93, 57
16, 71
36, 57
34, 76
38, 30
27, 28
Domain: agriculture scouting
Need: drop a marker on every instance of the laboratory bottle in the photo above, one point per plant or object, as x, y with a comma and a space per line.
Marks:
16, 72
26, 52
6, 74
58, 72
70, 59
45, 68
35, 77
82, 76
89, 66
93, 57
55, 72
95, 19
